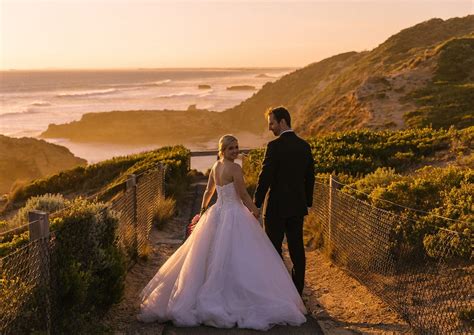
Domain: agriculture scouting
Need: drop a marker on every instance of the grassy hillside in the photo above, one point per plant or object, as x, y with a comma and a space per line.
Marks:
413, 79
375, 89
25, 159
293, 90
448, 99
106, 177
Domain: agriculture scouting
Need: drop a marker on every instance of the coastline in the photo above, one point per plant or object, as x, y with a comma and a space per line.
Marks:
95, 152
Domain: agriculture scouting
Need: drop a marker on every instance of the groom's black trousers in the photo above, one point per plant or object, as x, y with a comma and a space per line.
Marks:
276, 228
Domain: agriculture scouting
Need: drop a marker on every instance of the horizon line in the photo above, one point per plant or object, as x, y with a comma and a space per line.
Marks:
150, 68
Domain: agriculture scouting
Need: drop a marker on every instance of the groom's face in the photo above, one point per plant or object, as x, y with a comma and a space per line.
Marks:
273, 125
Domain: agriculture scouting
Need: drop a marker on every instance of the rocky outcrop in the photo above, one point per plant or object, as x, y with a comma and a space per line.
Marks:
25, 159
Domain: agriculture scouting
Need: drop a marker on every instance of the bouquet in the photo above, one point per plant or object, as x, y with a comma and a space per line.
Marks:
190, 227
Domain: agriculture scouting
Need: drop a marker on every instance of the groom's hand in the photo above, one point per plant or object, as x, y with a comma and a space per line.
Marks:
257, 213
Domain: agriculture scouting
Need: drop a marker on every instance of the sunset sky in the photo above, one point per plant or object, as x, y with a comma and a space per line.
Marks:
162, 33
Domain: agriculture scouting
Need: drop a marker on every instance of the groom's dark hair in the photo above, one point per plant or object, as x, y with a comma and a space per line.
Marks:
280, 113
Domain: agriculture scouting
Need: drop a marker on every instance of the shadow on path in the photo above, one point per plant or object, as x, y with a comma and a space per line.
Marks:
311, 327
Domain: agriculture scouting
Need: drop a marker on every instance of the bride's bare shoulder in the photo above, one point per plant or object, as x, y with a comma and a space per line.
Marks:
216, 165
236, 167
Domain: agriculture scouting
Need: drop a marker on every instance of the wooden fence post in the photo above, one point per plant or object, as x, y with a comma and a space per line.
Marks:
333, 187
165, 171
160, 169
39, 225
132, 186
40, 265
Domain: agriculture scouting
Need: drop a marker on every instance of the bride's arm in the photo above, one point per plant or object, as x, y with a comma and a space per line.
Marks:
211, 187
239, 184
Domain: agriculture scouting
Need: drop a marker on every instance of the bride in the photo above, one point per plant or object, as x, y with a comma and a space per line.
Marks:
227, 273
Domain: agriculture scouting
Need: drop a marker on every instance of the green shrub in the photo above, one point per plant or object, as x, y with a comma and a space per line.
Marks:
437, 244
251, 164
49, 203
10, 243
456, 60
360, 152
106, 177
177, 180
435, 193
372, 164
89, 268
448, 99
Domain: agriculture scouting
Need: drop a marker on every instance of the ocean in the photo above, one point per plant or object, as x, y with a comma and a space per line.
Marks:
31, 100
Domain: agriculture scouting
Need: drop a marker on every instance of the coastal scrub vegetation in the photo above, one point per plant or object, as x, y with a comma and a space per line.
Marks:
89, 266
107, 178
448, 99
85, 262
393, 167
424, 71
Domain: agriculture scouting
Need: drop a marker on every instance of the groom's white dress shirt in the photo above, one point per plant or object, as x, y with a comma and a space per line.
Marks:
286, 131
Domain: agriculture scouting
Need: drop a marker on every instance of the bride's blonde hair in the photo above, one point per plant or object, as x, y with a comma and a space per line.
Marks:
224, 142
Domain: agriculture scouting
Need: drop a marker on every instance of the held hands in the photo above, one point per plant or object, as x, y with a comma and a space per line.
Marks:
256, 213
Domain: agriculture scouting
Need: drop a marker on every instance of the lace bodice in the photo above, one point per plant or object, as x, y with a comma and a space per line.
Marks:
227, 194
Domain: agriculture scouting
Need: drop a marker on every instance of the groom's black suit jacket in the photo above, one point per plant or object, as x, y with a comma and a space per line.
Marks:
288, 177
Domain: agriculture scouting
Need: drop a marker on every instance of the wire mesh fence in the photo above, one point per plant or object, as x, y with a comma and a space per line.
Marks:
29, 275
432, 291
149, 185
24, 289
125, 205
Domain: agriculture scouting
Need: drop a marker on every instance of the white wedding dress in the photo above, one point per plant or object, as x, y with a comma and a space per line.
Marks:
226, 274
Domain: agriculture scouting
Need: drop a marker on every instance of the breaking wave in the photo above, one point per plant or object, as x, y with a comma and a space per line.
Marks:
86, 93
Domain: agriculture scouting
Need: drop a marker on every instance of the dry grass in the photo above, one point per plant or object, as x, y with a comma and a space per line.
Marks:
164, 211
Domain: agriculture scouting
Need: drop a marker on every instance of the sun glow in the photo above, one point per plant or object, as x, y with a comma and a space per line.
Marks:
121, 34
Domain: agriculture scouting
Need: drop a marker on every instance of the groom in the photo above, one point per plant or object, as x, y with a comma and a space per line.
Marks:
288, 177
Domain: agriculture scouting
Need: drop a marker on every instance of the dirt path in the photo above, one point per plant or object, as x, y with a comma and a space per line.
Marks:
342, 305
336, 302
121, 318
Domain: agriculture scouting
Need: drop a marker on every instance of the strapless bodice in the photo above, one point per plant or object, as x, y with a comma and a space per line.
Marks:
227, 194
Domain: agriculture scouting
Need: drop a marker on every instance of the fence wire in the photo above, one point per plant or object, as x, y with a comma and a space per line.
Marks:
150, 192
24, 289
28, 286
434, 293
124, 205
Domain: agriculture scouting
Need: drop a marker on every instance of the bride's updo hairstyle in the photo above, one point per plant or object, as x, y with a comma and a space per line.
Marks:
224, 142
